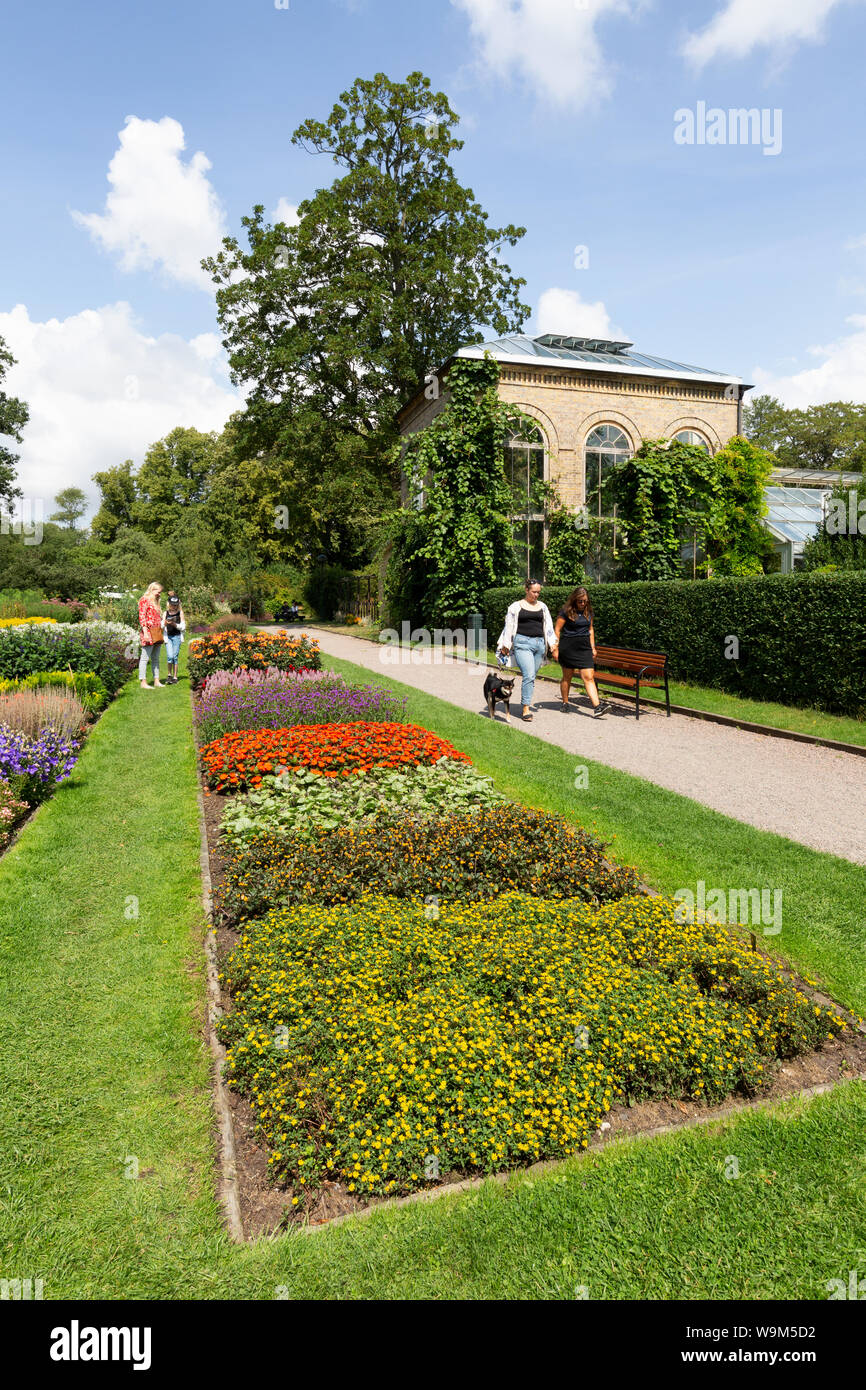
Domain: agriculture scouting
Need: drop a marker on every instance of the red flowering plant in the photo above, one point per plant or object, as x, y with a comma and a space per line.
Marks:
240, 760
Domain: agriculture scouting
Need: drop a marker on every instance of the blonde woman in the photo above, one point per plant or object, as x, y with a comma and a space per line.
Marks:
150, 624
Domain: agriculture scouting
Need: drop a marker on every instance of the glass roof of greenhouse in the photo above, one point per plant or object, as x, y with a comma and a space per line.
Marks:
594, 352
795, 513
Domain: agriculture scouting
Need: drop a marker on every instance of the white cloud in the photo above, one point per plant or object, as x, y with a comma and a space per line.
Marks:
160, 212
100, 391
743, 25
285, 212
563, 311
550, 44
839, 376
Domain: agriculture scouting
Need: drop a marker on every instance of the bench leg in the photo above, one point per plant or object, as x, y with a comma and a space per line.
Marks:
637, 699
667, 695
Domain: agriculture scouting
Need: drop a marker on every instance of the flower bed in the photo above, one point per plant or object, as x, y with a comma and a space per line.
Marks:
84, 685
24, 622
242, 699
33, 766
468, 856
240, 760
109, 650
13, 809
384, 1049
302, 802
228, 651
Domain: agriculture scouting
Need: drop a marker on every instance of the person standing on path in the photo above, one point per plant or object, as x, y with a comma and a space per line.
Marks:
174, 626
150, 633
574, 649
529, 631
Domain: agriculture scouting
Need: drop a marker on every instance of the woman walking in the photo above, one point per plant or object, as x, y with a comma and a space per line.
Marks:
574, 649
529, 631
150, 633
174, 626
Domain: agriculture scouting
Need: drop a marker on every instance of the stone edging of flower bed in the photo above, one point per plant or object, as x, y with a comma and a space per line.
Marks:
229, 1196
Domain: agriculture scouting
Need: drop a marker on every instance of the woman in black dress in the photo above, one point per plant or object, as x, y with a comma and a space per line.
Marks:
575, 649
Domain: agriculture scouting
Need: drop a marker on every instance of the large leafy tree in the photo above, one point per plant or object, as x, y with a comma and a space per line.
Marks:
117, 490
737, 542
71, 504
829, 436
389, 270
13, 417
174, 479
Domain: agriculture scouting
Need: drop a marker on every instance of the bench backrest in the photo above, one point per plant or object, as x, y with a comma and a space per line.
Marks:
626, 659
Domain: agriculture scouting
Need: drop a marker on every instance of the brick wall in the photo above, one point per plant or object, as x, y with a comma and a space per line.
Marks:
568, 403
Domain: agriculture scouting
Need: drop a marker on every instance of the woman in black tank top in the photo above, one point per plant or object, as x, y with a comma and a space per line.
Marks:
575, 649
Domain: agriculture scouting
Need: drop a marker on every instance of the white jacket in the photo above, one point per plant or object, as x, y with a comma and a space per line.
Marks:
509, 632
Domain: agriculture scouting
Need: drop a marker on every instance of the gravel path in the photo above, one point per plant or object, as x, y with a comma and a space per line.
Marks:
811, 794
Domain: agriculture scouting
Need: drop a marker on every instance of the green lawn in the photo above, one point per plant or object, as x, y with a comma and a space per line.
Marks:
102, 1059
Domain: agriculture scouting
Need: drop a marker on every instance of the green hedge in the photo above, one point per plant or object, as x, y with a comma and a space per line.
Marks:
802, 637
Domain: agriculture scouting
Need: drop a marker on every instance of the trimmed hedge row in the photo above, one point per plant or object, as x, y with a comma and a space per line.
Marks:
802, 638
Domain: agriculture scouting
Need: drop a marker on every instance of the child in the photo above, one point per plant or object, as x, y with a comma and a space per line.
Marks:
174, 626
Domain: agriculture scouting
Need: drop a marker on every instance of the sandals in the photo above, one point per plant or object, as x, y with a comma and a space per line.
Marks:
527, 717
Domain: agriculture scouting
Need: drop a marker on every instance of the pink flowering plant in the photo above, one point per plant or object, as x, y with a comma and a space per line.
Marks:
12, 811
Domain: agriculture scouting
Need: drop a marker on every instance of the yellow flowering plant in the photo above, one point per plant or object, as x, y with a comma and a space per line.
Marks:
387, 1044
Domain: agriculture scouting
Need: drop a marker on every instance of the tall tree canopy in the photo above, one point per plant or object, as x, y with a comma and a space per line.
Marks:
13, 417
71, 504
830, 436
389, 270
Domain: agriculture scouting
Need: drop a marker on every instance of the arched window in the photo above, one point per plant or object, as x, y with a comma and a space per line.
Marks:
524, 471
605, 446
692, 437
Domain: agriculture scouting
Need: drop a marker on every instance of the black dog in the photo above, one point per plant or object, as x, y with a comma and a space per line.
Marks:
496, 688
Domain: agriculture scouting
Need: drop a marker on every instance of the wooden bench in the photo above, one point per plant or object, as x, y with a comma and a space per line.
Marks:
640, 668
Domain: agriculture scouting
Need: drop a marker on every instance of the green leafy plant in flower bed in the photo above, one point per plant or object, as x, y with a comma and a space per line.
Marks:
467, 856
385, 1049
303, 802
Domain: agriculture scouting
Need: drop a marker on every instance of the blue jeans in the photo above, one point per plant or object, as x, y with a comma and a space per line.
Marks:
172, 648
529, 654
149, 654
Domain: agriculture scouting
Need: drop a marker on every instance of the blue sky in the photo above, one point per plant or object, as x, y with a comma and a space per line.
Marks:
720, 255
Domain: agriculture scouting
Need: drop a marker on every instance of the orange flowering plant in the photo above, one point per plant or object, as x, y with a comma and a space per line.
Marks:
228, 651
239, 760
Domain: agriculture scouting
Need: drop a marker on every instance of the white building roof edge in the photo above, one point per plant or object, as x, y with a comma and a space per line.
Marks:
627, 368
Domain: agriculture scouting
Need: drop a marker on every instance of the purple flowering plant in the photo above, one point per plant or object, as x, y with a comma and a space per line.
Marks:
33, 766
273, 699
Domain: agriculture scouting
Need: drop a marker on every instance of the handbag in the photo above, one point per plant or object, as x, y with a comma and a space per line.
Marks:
155, 635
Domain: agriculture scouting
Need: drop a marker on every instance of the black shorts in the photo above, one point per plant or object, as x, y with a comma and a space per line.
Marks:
573, 656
